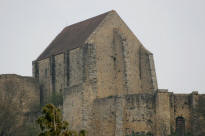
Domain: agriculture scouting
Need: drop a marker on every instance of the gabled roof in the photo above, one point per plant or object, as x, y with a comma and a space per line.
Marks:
72, 36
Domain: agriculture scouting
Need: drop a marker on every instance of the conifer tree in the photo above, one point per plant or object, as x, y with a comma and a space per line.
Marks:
52, 124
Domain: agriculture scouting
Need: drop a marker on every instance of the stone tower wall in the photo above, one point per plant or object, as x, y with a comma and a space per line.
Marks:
123, 65
81, 91
181, 106
119, 61
147, 71
170, 106
111, 63
162, 118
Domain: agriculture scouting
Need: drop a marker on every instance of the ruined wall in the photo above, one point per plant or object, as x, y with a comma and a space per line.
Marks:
104, 111
170, 106
21, 96
162, 119
139, 114
201, 114
25, 89
197, 116
156, 114
181, 106
125, 115
77, 106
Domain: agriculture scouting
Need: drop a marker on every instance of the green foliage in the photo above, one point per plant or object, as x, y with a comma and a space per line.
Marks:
52, 124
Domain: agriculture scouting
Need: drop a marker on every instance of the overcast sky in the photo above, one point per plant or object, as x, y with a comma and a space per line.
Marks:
173, 30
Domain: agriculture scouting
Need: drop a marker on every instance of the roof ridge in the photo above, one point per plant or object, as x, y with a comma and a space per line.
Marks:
73, 36
106, 13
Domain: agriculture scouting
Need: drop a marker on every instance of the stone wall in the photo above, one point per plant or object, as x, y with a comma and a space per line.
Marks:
181, 106
162, 119
124, 115
147, 71
50, 73
104, 112
118, 60
109, 86
170, 106
139, 114
81, 90
72, 106
44, 78
25, 90
201, 114
21, 96
59, 73
75, 67
78, 106
155, 113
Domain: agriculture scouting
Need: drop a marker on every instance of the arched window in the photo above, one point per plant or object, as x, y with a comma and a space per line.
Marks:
180, 126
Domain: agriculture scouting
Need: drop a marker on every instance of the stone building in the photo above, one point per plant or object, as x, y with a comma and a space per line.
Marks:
108, 83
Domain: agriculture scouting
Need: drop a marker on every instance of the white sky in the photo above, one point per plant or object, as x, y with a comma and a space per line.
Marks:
174, 30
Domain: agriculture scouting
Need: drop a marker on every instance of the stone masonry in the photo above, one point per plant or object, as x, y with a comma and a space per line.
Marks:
108, 83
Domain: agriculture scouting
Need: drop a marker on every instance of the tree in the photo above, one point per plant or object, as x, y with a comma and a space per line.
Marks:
52, 124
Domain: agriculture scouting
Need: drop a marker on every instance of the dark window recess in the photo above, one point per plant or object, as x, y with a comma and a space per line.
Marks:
46, 73
180, 126
53, 72
36, 74
67, 68
41, 96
